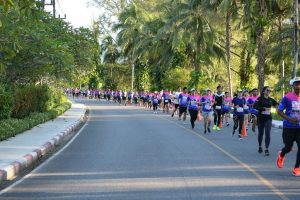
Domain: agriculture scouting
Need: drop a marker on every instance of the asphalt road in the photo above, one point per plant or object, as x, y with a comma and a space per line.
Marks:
129, 153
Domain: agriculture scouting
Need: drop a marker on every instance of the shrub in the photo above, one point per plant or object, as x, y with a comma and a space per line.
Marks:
30, 99
6, 105
6, 102
11, 127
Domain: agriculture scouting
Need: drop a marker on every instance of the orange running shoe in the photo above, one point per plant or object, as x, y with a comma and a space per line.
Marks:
296, 171
280, 160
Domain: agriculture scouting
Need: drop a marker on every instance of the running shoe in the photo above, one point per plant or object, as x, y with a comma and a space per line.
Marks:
227, 124
205, 131
296, 171
218, 128
233, 132
172, 114
267, 152
215, 127
260, 150
280, 160
240, 137
208, 129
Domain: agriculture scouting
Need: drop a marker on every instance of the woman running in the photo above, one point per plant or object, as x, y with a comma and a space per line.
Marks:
264, 118
207, 112
238, 117
226, 108
218, 101
193, 101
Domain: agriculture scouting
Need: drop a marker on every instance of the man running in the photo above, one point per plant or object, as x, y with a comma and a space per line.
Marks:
176, 100
218, 101
166, 98
291, 124
183, 103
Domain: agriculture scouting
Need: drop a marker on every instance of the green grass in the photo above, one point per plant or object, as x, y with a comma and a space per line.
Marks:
11, 127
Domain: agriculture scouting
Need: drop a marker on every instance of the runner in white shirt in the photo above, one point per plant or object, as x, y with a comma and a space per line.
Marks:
176, 100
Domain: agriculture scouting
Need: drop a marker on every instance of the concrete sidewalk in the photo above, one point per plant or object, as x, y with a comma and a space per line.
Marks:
20, 152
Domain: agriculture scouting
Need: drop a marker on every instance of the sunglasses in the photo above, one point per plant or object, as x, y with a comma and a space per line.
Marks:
268, 91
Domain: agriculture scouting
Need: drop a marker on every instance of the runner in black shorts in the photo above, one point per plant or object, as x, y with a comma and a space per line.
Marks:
176, 100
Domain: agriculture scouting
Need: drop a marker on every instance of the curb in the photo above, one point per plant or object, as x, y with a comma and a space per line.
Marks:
11, 171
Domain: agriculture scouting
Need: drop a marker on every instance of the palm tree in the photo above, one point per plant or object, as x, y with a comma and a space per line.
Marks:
192, 27
229, 8
296, 43
131, 21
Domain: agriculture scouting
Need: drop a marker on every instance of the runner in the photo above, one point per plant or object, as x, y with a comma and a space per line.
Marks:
176, 100
238, 117
264, 119
166, 101
183, 103
246, 109
217, 107
226, 108
291, 124
207, 112
253, 112
154, 102
193, 101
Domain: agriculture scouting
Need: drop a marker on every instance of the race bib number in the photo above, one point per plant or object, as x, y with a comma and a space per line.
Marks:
246, 107
166, 101
266, 112
207, 107
239, 109
296, 110
193, 102
218, 107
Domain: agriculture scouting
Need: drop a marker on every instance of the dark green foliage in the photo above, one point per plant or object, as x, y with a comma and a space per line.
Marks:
6, 103
11, 127
30, 99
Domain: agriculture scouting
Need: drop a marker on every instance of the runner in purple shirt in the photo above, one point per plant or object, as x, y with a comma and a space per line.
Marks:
291, 124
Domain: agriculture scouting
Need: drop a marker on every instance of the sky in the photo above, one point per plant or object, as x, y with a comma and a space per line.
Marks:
78, 12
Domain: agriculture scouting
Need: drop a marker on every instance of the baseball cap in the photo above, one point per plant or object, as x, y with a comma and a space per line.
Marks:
193, 89
294, 80
207, 89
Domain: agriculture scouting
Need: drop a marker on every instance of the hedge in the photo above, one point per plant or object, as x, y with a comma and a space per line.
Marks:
12, 127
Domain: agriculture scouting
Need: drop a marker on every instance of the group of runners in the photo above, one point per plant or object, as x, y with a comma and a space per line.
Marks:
246, 108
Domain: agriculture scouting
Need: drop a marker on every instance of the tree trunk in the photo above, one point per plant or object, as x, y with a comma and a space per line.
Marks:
261, 57
228, 37
295, 38
260, 41
132, 76
282, 56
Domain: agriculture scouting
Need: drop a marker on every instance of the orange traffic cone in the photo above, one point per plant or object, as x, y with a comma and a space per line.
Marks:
199, 117
221, 124
244, 131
